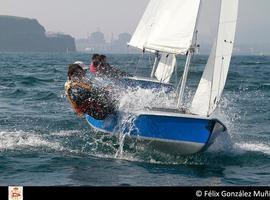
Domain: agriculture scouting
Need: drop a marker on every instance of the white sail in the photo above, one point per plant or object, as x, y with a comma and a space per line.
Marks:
215, 74
165, 68
167, 26
143, 30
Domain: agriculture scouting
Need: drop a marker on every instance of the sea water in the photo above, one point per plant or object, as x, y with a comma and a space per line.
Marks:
43, 142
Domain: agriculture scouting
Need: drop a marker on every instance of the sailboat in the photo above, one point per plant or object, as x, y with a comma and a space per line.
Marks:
169, 29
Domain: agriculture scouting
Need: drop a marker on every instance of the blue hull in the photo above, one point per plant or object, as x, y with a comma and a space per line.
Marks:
172, 133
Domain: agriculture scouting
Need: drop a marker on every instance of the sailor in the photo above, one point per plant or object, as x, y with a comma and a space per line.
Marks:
100, 67
84, 98
94, 64
81, 64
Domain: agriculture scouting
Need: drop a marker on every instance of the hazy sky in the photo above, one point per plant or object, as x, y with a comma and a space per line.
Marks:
80, 17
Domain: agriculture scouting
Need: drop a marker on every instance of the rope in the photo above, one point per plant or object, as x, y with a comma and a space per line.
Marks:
139, 62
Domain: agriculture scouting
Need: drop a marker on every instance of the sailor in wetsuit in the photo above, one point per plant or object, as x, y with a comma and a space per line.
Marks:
101, 68
84, 98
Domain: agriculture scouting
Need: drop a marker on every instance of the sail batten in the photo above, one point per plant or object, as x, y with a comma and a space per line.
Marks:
215, 74
167, 26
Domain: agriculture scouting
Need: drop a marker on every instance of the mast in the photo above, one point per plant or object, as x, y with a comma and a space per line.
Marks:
188, 60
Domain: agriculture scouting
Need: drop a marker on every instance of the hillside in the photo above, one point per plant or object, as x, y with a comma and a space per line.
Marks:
20, 34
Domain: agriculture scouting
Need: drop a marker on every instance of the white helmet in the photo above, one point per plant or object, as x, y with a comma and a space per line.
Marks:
81, 64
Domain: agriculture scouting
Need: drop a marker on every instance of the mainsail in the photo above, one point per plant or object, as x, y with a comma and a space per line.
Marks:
215, 74
167, 26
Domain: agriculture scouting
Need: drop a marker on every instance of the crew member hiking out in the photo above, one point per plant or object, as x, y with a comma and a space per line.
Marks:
101, 68
94, 64
84, 98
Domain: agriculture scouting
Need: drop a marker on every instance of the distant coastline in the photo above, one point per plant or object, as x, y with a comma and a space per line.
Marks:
19, 34
96, 43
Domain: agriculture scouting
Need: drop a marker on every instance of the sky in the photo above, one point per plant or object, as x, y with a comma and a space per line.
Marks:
81, 17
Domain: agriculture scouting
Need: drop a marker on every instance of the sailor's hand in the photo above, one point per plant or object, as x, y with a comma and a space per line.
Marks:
80, 114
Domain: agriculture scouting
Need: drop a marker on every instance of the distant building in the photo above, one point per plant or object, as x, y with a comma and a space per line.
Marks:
120, 45
96, 43
97, 38
82, 45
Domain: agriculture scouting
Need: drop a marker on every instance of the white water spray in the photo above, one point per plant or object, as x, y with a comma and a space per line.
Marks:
134, 101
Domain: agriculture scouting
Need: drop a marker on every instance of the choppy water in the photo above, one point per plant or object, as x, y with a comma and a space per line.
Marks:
42, 141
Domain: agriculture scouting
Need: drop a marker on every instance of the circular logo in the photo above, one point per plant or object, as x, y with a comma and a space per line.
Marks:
198, 193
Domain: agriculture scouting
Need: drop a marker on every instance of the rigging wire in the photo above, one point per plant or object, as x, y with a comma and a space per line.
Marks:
140, 62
